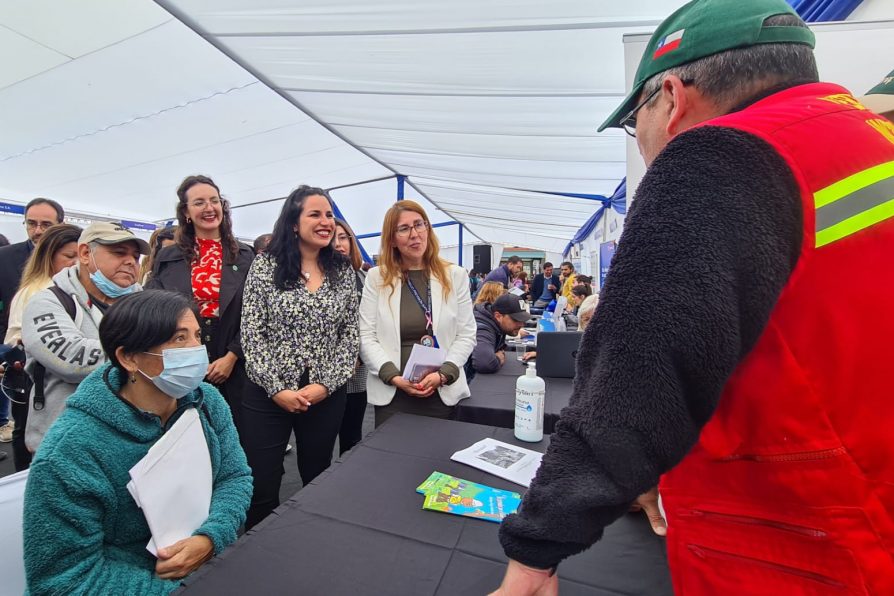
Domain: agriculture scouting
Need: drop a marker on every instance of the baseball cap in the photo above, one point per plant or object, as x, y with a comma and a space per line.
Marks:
508, 305
705, 27
111, 232
880, 99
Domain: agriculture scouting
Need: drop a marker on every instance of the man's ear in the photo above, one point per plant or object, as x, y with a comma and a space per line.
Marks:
678, 104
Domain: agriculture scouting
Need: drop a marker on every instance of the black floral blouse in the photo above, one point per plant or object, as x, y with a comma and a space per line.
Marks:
287, 332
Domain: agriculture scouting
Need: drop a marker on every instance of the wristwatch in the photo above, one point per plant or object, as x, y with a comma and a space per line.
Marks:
443, 379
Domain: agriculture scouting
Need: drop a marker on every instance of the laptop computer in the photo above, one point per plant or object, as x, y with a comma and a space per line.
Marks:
557, 353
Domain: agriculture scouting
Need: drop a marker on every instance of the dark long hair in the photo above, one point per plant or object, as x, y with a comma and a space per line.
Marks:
285, 246
141, 321
186, 231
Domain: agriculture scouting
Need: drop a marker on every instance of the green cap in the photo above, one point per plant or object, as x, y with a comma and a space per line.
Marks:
705, 27
880, 99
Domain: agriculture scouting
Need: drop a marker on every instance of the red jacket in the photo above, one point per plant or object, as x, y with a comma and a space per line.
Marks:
790, 489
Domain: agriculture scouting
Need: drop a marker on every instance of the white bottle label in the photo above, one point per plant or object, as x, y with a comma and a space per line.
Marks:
529, 409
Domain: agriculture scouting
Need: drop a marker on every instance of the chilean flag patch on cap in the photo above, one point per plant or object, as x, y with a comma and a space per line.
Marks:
668, 43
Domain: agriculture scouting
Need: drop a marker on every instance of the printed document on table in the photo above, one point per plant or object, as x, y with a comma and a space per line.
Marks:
172, 483
515, 464
423, 361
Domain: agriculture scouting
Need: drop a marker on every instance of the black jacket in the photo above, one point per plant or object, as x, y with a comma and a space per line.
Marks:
537, 286
490, 339
12, 263
710, 240
172, 272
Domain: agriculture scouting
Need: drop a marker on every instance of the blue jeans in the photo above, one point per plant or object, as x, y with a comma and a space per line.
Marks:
4, 409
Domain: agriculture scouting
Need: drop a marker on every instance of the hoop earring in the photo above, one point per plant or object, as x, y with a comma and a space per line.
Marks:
188, 220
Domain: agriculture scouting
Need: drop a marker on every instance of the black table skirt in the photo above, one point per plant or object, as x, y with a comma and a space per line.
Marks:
359, 528
493, 398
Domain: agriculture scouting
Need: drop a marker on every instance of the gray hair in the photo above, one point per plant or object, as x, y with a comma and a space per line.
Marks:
733, 76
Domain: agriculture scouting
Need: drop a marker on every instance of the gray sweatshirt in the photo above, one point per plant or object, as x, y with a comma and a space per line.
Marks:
68, 349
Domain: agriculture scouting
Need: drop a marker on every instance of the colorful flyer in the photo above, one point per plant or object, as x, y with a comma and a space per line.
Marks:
449, 494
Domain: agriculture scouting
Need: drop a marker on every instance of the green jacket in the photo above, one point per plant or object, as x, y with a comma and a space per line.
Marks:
84, 534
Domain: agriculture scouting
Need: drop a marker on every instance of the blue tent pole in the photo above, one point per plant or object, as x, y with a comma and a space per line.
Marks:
400, 187
460, 244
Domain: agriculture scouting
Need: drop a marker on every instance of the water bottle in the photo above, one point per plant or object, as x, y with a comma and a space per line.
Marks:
530, 393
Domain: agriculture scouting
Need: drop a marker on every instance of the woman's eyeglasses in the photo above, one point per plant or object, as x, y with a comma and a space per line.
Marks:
404, 230
202, 203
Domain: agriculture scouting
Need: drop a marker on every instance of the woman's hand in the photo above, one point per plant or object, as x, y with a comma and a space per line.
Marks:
183, 557
411, 389
521, 580
291, 401
221, 369
430, 382
313, 393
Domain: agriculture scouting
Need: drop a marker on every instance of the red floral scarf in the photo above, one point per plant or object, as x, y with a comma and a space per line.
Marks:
206, 277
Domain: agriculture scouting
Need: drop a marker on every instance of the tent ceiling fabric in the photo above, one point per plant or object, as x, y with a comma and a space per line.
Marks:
468, 99
110, 103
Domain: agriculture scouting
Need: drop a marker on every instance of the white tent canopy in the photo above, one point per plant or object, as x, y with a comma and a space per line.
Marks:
106, 105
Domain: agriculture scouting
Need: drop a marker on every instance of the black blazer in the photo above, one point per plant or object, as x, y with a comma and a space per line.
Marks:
172, 272
537, 286
12, 264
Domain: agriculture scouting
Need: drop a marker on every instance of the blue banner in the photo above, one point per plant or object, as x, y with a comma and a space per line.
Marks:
10, 208
606, 252
138, 225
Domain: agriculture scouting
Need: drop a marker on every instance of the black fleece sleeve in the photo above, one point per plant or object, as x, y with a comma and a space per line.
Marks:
712, 237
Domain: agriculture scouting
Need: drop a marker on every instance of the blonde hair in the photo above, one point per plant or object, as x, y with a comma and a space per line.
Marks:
490, 291
586, 310
38, 272
390, 261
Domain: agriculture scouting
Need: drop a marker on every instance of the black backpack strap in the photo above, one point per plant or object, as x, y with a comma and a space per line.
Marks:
40, 370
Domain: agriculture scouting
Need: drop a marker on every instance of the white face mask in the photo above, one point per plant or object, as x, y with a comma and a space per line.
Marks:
184, 369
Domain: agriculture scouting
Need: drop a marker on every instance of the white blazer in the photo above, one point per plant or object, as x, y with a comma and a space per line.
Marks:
380, 331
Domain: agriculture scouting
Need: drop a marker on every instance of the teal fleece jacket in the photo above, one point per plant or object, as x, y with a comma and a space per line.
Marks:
83, 532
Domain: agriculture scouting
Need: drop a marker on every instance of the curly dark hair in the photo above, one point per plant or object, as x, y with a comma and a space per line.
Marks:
186, 231
285, 246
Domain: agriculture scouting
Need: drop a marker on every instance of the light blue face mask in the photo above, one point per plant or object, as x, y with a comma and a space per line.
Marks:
107, 286
184, 369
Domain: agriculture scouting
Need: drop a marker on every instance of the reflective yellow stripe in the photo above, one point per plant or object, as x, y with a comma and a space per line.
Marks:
855, 223
851, 184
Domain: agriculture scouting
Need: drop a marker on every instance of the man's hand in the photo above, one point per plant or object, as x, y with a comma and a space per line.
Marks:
183, 557
521, 580
529, 356
501, 356
648, 502
291, 401
221, 369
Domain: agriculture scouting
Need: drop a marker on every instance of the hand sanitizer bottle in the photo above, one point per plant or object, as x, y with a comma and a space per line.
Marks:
530, 392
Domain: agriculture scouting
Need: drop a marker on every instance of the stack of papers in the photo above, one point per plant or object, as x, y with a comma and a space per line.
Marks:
172, 484
449, 494
515, 464
423, 361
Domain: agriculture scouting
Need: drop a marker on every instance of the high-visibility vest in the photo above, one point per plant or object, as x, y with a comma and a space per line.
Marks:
790, 488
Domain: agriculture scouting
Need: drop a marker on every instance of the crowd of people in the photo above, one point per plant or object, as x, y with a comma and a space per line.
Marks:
717, 364
292, 336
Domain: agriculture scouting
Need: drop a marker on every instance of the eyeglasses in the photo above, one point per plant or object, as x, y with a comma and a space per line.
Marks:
404, 230
628, 122
343, 238
202, 203
43, 225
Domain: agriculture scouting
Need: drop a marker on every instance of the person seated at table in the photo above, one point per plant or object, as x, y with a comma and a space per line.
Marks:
586, 310
489, 292
544, 286
494, 322
414, 296
83, 532
578, 295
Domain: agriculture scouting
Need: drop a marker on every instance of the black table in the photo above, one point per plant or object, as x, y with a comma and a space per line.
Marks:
493, 397
359, 529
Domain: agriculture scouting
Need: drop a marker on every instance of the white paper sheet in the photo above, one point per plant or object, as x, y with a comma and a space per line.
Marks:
172, 484
515, 464
423, 361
